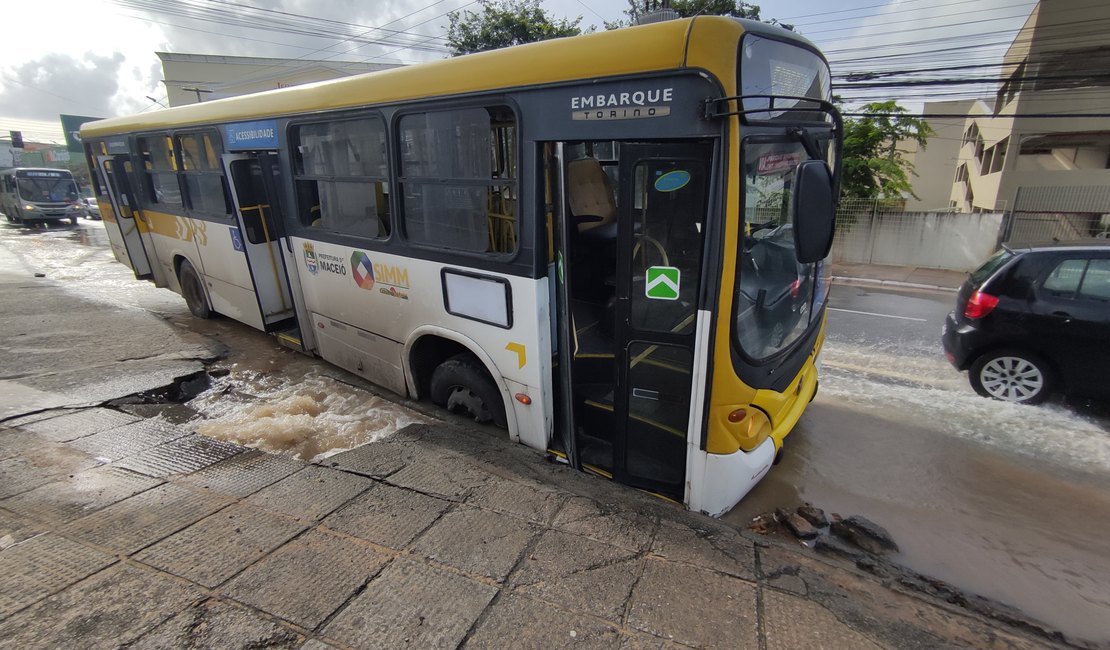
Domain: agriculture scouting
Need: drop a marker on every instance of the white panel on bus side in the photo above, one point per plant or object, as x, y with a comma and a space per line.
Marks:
372, 357
482, 299
392, 296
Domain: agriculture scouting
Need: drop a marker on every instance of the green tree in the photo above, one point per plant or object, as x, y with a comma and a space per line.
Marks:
688, 8
873, 165
503, 23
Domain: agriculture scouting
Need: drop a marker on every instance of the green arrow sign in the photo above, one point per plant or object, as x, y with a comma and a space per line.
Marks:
662, 283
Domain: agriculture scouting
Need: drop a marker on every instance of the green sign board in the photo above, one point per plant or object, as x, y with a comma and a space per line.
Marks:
71, 126
662, 283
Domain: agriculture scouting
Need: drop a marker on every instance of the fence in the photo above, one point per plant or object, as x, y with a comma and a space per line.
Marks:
1058, 213
882, 232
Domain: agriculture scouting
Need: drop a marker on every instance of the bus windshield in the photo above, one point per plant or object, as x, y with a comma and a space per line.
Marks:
775, 293
49, 189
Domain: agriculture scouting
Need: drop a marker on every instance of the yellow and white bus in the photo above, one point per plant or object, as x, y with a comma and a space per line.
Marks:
610, 245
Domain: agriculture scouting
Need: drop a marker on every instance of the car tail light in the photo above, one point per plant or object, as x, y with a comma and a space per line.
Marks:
980, 304
795, 288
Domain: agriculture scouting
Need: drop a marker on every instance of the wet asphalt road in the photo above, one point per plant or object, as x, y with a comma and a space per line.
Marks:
1006, 501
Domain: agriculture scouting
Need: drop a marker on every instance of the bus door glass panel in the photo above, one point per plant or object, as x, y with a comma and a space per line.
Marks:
662, 206
259, 235
114, 169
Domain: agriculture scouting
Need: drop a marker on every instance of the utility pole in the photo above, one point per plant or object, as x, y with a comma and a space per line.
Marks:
198, 91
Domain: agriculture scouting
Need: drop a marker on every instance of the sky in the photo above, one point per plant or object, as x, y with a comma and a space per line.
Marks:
97, 57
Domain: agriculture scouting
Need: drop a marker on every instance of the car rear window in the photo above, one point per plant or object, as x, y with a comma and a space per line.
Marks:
996, 261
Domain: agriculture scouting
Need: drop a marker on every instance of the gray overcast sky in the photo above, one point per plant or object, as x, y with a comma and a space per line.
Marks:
96, 57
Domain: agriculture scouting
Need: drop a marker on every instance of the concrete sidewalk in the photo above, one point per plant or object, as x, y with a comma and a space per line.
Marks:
898, 276
120, 530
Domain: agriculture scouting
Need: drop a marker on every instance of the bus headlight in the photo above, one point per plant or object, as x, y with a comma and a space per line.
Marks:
75, 207
29, 208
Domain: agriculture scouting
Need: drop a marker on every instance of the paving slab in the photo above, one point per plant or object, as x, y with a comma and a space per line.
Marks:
49, 463
42, 565
378, 459
308, 578
16, 528
579, 574
128, 440
445, 477
107, 610
216, 625
527, 502
478, 542
244, 474
78, 424
387, 516
137, 522
791, 622
609, 523
520, 622
667, 596
79, 495
312, 493
182, 456
411, 604
711, 547
17, 443
221, 545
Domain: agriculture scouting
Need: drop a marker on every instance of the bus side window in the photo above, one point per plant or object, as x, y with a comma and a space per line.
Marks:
341, 174
459, 178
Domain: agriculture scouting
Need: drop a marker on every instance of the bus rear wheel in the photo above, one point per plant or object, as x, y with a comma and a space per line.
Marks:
193, 290
461, 385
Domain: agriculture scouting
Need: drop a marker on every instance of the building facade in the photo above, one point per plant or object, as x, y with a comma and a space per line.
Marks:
190, 78
1043, 143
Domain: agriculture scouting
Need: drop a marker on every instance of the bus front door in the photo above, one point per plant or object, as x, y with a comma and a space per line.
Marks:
251, 179
125, 227
633, 296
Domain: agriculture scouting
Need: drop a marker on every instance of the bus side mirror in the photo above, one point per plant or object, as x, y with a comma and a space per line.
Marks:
814, 210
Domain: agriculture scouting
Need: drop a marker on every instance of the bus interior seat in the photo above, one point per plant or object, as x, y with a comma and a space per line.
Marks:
591, 199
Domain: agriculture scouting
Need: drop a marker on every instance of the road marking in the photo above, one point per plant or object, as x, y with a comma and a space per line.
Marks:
869, 313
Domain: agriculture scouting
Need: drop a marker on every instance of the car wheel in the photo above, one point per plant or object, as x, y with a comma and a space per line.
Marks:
193, 291
462, 386
1011, 376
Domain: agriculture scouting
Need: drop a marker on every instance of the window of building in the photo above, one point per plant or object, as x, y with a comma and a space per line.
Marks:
458, 178
160, 171
342, 175
203, 174
1074, 68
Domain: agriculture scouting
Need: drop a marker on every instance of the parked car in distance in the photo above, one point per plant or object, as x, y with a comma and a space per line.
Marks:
92, 208
1035, 320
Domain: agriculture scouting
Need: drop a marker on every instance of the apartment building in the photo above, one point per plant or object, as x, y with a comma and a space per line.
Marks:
1043, 143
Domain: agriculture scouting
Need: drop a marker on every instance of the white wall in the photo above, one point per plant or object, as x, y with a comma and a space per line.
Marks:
938, 240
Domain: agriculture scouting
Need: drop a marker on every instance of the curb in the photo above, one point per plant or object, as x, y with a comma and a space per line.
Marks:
892, 283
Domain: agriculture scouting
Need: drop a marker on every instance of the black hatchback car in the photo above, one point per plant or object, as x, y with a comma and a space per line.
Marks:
1035, 320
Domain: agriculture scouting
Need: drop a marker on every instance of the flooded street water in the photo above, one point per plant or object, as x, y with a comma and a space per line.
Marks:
1006, 501
1009, 502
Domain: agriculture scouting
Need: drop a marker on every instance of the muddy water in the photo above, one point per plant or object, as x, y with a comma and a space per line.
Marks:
311, 416
1006, 501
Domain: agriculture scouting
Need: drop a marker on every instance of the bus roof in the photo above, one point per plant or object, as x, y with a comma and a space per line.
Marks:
658, 46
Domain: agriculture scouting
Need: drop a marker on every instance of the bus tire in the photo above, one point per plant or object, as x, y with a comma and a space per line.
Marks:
193, 291
461, 385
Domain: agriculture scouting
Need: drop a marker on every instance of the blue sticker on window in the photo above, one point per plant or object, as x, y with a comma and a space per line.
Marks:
672, 181
236, 239
245, 136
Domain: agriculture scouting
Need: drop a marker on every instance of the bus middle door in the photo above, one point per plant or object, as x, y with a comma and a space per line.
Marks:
114, 170
250, 179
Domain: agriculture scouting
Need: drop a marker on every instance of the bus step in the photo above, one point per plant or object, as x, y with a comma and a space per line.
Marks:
291, 339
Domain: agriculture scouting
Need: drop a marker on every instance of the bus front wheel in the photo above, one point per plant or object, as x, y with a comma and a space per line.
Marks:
461, 385
193, 290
